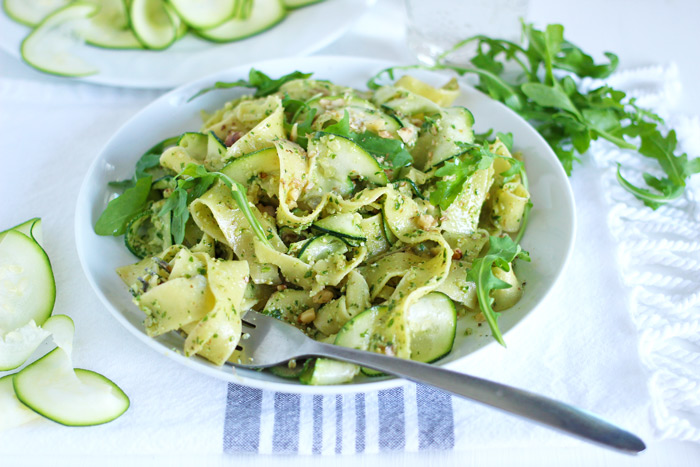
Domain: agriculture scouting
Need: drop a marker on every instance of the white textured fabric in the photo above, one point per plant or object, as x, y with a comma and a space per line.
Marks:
659, 256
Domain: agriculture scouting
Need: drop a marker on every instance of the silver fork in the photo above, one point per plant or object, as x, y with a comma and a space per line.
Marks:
269, 342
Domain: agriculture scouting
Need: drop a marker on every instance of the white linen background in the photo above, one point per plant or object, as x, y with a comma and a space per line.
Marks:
583, 334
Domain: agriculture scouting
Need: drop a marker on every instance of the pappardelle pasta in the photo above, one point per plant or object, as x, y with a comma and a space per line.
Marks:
371, 219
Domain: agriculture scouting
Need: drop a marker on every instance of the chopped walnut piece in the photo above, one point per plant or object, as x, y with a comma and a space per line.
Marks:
426, 221
456, 254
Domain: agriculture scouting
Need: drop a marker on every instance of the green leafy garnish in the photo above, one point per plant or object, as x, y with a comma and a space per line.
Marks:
457, 171
392, 150
192, 182
263, 84
546, 95
122, 209
502, 252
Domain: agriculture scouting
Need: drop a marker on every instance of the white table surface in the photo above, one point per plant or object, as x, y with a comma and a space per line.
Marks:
641, 32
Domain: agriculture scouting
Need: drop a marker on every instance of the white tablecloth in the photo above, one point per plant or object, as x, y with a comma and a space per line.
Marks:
590, 334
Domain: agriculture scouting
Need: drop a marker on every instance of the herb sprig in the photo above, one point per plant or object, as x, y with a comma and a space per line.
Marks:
546, 94
263, 84
502, 252
192, 182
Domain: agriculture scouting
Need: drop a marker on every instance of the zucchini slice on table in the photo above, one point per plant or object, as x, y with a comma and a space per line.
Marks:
247, 21
14, 413
27, 288
30, 228
205, 14
154, 23
31, 12
74, 397
52, 47
19, 344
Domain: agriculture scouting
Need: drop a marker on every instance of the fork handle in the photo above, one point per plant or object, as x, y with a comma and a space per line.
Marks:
549, 412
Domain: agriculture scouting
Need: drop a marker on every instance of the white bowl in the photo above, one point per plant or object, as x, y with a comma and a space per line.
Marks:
549, 236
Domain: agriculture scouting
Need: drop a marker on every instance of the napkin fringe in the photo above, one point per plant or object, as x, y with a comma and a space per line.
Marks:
659, 257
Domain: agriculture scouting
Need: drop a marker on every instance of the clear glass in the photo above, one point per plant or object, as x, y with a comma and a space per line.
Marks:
435, 26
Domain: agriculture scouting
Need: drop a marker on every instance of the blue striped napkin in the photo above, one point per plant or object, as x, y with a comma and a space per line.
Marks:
412, 417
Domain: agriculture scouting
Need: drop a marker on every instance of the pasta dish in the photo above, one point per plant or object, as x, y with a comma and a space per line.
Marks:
327, 207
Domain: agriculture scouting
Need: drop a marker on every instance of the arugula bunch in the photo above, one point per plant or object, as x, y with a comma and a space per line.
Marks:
502, 252
263, 84
546, 94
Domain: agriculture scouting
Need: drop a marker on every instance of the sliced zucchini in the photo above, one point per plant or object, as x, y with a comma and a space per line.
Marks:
14, 413
373, 231
321, 247
52, 388
404, 102
285, 371
30, 228
451, 132
31, 12
110, 27
292, 4
247, 22
195, 144
19, 344
244, 168
336, 161
27, 288
355, 334
62, 330
432, 322
388, 233
205, 14
52, 47
324, 371
148, 234
345, 226
202, 147
153, 23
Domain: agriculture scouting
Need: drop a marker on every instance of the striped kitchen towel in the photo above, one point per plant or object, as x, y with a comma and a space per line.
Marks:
412, 417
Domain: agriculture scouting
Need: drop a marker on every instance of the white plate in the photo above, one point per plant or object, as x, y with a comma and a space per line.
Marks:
302, 32
549, 236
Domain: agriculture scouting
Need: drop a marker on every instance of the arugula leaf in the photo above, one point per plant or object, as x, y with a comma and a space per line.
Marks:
381, 148
669, 190
457, 171
263, 84
502, 252
122, 209
507, 139
192, 182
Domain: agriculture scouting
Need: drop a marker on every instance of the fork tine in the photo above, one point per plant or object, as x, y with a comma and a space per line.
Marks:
266, 341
